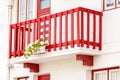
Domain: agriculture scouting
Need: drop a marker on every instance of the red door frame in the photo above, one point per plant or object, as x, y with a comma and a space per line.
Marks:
104, 69
44, 77
26, 77
41, 12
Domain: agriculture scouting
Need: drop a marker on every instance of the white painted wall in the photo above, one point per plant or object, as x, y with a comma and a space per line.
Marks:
4, 73
107, 60
111, 31
68, 69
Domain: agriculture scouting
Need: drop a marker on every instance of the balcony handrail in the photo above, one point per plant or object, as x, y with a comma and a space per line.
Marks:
74, 18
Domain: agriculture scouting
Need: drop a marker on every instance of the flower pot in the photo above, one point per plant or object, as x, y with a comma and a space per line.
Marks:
40, 50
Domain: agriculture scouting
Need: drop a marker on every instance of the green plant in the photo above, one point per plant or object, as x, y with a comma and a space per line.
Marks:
33, 47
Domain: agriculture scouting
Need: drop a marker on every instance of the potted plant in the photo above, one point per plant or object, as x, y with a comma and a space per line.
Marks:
37, 47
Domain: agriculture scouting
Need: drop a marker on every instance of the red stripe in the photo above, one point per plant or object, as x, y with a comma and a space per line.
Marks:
72, 28
44, 28
38, 24
49, 37
82, 29
88, 29
78, 28
60, 33
100, 32
94, 31
66, 30
19, 35
10, 42
15, 40
55, 28
28, 33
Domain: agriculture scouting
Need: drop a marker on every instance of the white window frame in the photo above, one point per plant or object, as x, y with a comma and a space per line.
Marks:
100, 72
110, 73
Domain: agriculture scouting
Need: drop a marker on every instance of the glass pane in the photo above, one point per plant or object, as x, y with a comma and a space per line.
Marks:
115, 75
30, 9
100, 76
22, 10
45, 4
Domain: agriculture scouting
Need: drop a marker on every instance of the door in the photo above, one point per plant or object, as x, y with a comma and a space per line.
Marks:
44, 77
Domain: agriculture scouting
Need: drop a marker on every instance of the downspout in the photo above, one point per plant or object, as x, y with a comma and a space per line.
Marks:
10, 6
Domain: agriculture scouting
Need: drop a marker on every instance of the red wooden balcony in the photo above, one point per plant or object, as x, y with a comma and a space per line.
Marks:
76, 27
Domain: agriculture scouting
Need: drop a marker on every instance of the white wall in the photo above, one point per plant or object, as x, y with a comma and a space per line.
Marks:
68, 69
61, 5
111, 31
107, 60
4, 30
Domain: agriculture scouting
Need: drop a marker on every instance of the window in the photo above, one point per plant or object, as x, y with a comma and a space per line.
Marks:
101, 75
115, 74
43, 7
23, 78
25, 9
112, 73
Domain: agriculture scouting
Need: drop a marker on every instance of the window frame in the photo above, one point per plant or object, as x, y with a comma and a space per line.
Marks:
41, 12
26, 11
25, 77
108, 70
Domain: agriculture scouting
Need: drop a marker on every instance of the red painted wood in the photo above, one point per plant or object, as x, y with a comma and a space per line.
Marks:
23, 78
94, 31
66, 30
44, 77
28, 36
19, 39
82, 29
55, 29
88, 29
26, 31
49, 34
100, 32
34, 31
60, 32
15, 40
24, 36
44, 28
78, 27
10, 41
72, 28
39, 27
87, 59
104, 69
33, 67
41, 12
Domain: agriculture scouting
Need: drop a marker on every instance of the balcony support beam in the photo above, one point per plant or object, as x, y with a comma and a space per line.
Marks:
87, 59
33, 67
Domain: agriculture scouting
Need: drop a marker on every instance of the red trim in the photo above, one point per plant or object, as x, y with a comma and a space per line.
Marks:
87, 59
104, 69
41, 12
44, 77
33, 67
26, 77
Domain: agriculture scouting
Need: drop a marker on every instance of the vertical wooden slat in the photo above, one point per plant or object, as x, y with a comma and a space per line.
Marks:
10, 42
55, 28
100, 32
15, 40
72, 29
28, 38
38, 29
94, 31
44, 28
78, 28
82, 28
34, 30
66, 30
24, 36
49, 34
60, 33
19, 39
88, 29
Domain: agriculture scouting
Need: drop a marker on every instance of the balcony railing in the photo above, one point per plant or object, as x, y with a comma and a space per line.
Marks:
76, 27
